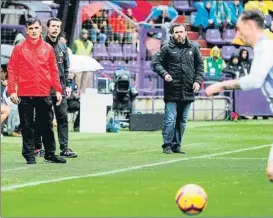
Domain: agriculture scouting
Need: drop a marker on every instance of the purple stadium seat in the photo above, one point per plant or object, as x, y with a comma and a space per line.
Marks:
182, 6
115, 51
133, 66
227, 51
108, 65
120, 63
250, 51
213, 36
268, 20
100, 51
147, 65
129, 51
228, 35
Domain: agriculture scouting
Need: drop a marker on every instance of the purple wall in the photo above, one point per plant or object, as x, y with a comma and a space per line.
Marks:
251, 103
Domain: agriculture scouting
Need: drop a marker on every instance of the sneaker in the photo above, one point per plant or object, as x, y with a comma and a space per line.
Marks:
68, 153
39, 153
54, 159
178, 151
31, 160
167, 150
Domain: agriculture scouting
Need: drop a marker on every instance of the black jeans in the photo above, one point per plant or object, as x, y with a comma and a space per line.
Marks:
43, 109
62, 125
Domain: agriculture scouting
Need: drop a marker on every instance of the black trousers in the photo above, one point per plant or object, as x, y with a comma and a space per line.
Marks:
43, 109
74, 106
62, 125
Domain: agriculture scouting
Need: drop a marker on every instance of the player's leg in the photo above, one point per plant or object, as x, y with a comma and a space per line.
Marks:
270, 165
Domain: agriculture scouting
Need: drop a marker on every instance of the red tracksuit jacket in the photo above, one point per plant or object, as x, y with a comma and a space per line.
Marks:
33, 68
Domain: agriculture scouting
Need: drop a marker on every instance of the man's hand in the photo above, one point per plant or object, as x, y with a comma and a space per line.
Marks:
168, 78
14, 98
196, 87
214, 88
59, 98
68, 91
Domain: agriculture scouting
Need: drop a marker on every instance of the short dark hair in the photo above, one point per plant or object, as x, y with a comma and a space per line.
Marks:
63, 34
52, 19
32, 20
254, 15
176, 25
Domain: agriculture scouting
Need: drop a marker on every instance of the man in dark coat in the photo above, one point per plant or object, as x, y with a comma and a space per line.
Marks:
62, 58
180, 64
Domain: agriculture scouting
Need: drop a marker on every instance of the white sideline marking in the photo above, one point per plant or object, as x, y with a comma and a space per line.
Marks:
99, 152
236, 158
14, 169
36, 183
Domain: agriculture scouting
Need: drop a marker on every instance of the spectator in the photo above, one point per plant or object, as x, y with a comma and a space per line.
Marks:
236, 8
32, 72
117, 23
244, 60
63, 40
13, 118
257, 5
131, 32
222, 15
234, 67
5, 111
180, 64
214, 64
269, 5
73, 102
97, 27
204, 18
82, 46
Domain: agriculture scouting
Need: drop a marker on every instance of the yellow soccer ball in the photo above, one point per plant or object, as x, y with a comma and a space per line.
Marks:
191, 199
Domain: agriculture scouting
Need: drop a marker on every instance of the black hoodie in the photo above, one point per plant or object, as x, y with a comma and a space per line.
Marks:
235, 70
245, 62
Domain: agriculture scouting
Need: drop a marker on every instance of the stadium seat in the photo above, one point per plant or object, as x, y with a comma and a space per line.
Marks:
227, 51
213, 36
120, 63
115, 51
129, 51
108, 65
228, 35
183, 6
100, 51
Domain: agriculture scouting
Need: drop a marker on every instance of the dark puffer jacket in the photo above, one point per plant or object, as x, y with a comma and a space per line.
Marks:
63, 63
185, 65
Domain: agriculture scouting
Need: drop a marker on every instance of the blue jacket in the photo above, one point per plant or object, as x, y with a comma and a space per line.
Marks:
217, 13
202, 15
234, 16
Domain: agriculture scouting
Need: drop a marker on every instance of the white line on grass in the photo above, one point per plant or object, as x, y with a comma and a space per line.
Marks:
110, 172
98, 152
15, 169
236, 158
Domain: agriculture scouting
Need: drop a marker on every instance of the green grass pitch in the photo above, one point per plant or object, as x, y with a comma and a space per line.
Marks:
126, 174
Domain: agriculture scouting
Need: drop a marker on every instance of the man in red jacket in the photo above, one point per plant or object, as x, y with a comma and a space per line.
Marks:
32, 72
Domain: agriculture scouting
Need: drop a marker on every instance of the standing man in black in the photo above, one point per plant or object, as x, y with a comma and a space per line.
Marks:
62, 58
180, 64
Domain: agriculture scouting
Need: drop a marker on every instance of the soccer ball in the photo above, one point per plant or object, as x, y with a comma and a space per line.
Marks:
191, 199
